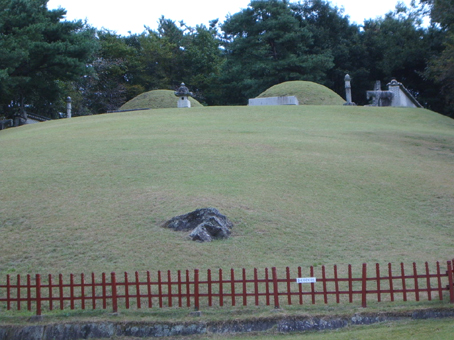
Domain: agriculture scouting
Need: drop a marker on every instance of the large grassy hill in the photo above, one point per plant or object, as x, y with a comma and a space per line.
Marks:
304, 185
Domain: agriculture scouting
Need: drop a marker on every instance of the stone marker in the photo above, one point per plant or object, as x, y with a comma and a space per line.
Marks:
68, 107
205, 224
348, 90
183, 94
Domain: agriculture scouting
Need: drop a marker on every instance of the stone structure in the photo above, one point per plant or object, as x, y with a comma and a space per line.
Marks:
68, 107
396, 95
283, 100
205, 224
401, 96
348, 90
379, 97
183, 95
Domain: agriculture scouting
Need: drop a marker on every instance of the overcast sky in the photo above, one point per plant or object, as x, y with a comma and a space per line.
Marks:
132, 15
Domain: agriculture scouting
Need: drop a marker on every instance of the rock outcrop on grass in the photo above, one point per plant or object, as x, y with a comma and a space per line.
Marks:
307, 92
205, 224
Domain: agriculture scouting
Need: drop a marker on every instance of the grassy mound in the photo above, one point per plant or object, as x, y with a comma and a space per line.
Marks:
156, 99
308, 93
304, 185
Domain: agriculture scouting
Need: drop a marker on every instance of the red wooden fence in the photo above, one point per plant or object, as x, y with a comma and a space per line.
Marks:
189, 289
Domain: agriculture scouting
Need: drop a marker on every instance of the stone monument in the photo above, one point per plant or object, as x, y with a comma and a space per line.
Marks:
379, 97
401, 96
348, 90
396, 95
68, 107
183, 95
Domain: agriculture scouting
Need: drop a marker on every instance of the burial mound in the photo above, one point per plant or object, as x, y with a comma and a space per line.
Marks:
156, 99
308, 93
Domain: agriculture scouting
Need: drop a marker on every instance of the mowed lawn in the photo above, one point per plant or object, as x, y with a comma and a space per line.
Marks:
304, 185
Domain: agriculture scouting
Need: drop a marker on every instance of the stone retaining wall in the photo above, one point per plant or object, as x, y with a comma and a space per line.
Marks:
107, 329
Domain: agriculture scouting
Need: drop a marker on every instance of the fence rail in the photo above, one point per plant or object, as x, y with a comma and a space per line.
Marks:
189, 289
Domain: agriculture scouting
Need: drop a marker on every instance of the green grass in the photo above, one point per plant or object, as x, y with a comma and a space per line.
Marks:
156, 99
308, 93
304, 185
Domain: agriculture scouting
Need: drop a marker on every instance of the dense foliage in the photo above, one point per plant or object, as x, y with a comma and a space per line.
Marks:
38, 53
45, 58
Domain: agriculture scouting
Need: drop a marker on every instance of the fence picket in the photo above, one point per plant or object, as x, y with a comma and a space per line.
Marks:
149, 296
38, 294
364, 286
104, 291
300, 286
415, 274
244, 288
138, 296
221, 289
93, 290
29, 293
232, 285
196, 289
82, 289
312, 286
377, 273
8, 292
188, 291
18, 292
159, 289
450, 274
126, 284
113, 283
391, 285
336, 284
210, 294
169, 288
325, 293
256, 287
289, 290
275, 288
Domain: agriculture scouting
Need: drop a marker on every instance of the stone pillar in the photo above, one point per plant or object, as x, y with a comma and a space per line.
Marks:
68, 107
184, 102
348, 90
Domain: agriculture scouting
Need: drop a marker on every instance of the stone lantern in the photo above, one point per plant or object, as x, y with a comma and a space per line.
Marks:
183, 96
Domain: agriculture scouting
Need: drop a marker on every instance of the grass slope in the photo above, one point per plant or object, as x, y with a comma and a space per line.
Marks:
156, 99
304, 185
308, 93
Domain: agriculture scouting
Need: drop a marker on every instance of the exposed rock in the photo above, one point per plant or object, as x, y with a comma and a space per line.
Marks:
206, 224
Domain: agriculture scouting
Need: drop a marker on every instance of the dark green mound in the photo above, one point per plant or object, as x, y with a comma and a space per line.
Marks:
308, 93
156, 99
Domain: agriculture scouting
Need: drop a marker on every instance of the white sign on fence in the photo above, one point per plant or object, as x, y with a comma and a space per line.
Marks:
306, 280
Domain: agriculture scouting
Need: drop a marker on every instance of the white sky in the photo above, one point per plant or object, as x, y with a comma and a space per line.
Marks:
132, 15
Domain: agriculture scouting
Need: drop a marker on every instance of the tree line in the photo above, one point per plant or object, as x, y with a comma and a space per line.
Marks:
44, 58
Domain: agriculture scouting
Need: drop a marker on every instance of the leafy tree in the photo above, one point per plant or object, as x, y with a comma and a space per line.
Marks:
203, 61
39, 51
441, 67
266, 44
333, 33
397, 46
